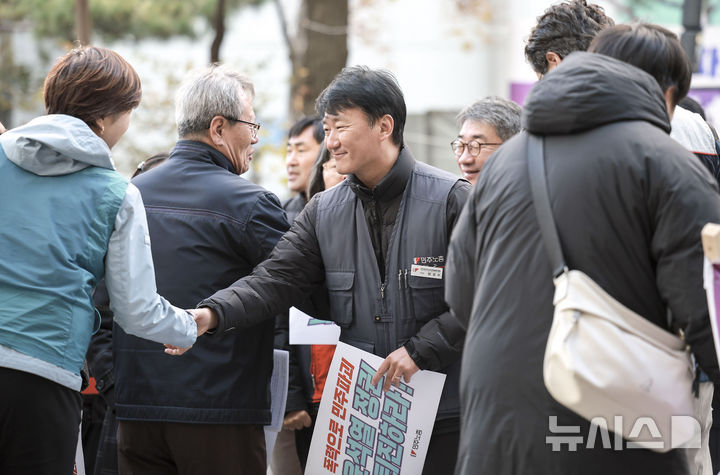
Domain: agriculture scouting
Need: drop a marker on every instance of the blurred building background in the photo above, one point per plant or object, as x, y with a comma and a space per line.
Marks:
445, 54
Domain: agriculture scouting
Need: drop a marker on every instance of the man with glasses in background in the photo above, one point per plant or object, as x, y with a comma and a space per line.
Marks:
202, 413
484, 126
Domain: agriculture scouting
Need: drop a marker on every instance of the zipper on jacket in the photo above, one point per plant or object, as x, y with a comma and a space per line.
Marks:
400, 279
406, 284
382, 290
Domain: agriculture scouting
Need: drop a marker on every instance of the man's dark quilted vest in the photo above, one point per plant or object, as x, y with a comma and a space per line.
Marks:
377, 316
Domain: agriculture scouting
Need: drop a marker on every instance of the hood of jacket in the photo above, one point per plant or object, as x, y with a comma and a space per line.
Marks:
588, 90
55, 144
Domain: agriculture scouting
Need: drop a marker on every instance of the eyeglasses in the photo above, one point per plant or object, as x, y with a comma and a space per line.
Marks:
474, 147
254, 128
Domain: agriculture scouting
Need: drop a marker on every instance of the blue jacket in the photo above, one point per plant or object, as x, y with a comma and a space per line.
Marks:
68, 219
209, 228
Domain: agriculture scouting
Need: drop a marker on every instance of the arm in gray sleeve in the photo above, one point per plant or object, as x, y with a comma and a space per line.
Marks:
130, 279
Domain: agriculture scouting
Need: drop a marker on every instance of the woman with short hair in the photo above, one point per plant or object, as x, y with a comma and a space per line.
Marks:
68, 219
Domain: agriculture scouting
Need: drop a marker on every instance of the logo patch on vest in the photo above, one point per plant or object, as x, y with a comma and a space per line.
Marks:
430, 260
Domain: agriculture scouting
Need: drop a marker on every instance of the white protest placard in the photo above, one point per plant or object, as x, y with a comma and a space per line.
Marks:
306, 330
711, 281
362, 430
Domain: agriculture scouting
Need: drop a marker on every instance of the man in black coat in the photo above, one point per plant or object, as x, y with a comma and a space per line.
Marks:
204, 412
629, 203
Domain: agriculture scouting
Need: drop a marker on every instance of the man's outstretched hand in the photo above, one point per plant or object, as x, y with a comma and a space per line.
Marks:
205, 319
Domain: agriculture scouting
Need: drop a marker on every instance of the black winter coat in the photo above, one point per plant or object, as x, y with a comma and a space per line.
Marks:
629, 204
208, 227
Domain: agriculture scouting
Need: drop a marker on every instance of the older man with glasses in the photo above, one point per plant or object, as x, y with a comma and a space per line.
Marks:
484, 126
205, 412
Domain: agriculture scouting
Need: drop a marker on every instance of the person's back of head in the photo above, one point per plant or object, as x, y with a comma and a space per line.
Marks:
91, 83
692, 105
562, 29
151, 162
655, 50
376, 92
209, 92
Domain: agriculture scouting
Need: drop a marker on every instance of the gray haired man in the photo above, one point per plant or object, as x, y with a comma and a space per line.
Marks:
484, 126
205, 412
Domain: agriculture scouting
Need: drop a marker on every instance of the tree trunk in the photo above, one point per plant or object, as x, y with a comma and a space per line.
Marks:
318, 52
82, 21
219, 32
7, 61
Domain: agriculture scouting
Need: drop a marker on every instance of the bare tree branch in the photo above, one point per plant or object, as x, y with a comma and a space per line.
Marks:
284, 29
82, 21
219, 31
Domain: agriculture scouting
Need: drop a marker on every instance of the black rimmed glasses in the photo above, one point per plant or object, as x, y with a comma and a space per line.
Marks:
254, 128
474, 147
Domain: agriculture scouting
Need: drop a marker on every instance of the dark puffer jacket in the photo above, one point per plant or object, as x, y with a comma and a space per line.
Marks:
629, 203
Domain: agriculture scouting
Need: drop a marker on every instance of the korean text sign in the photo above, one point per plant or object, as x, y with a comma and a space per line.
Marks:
362, 430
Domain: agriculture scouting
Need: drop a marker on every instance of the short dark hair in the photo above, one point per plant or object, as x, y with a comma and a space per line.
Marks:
562, 29
692, 105
652, 48
151, 162
374, 91
314, 121
90, 83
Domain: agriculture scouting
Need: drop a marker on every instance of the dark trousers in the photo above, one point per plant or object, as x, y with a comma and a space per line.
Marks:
190, 449
93, 414
442, 452
303, 437
39, 425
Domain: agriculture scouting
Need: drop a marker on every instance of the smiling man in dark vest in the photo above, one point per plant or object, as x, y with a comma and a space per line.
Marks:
378, 242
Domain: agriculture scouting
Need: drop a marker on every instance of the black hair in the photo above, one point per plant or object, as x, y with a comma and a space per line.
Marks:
374, 91
562, 29
316, 184
152, 162
652, 48
314, 121
692, 105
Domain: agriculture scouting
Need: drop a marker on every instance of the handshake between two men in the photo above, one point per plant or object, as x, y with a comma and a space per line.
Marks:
399, 364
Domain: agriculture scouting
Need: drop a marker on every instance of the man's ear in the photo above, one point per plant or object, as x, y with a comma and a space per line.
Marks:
217, 130
386, 126
553, 60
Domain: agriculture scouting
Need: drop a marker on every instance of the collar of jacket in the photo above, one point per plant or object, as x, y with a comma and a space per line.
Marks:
195, 150
392, 184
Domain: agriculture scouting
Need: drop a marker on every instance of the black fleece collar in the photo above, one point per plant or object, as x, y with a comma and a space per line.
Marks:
392, 184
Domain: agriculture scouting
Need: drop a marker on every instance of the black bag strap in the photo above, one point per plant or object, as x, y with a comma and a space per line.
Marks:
539, 188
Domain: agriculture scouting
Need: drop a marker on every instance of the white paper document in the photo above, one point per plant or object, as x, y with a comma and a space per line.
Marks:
306, 330
278, 395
